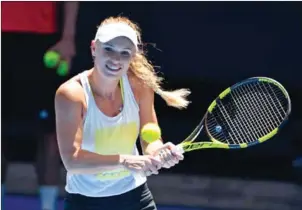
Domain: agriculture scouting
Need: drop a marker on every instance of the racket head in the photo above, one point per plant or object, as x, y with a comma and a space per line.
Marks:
248, 113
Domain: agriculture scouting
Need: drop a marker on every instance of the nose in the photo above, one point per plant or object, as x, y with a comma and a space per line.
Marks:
115, 58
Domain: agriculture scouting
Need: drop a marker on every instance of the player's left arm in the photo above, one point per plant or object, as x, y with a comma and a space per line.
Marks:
148, 115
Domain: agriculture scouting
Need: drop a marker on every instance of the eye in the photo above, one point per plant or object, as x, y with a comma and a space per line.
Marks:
108, 49
125, 54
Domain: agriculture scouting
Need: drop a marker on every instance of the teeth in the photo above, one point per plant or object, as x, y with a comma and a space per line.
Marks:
113, 67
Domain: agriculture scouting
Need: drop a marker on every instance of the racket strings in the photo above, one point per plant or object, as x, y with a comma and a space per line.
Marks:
235, 134
267, 110
261, 98
274, 112
226, 117
262, 127
244, 118
275, 101
245, 121
248, 113
259, 106
222, 118
216, 120
248, 107
240, 123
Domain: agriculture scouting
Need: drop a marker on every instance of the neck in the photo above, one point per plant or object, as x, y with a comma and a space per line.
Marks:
103, 87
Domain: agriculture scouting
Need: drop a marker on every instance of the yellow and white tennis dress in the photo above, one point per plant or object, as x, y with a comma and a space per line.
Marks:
108, 135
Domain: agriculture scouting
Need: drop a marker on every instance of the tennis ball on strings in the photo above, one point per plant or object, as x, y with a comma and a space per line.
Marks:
51, 59
62, 69
150, 132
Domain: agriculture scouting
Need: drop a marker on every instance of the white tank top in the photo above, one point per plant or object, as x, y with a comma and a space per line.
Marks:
108, 135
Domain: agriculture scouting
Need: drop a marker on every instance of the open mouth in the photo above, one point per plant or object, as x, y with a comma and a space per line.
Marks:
112, 68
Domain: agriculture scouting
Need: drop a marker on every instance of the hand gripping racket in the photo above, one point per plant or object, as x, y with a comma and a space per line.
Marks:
245, 114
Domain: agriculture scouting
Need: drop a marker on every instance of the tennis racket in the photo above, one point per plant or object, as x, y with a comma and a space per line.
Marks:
243, 115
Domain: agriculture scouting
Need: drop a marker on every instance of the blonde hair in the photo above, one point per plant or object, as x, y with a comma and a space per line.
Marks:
144, 70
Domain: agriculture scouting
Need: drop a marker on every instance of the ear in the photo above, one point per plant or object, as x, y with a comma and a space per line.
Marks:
92, 47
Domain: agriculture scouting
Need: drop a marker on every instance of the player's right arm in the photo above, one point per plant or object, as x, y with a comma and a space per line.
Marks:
69, 108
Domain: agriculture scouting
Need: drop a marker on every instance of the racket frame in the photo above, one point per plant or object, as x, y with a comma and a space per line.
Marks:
189, 145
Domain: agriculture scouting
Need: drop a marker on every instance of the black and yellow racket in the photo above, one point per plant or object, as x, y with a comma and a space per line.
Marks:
245, 114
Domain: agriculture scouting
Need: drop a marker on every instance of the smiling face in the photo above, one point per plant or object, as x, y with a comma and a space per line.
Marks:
112, 58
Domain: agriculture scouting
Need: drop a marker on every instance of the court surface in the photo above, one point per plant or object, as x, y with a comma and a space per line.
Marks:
18, 202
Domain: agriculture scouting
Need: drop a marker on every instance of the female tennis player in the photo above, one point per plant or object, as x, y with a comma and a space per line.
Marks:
99, 114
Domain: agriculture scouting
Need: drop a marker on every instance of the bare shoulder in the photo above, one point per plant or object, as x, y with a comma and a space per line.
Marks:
71, 91
140, 89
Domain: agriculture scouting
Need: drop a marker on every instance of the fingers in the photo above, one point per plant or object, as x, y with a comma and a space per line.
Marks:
178, 156
68, 61
137, 166
66, 49
152, 169
166, 158
172, 147
151, 165
155, 160
146, 165
174, 150
168, 145
169, 159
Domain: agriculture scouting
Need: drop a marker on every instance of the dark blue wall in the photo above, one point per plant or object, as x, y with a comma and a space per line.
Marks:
221, 41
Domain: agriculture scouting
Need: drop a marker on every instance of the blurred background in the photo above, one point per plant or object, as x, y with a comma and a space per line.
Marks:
204, 46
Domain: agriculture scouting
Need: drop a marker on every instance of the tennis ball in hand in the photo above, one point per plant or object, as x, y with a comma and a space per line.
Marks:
150, 132
51, 59
62, 69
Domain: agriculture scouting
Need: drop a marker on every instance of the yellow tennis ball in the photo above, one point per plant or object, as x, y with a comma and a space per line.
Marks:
63, 69
51, 59
150, 132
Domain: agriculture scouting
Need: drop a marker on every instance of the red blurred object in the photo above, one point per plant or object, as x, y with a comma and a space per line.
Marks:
35, 17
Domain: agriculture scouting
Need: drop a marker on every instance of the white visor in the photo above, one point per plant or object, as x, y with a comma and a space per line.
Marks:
110, 31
